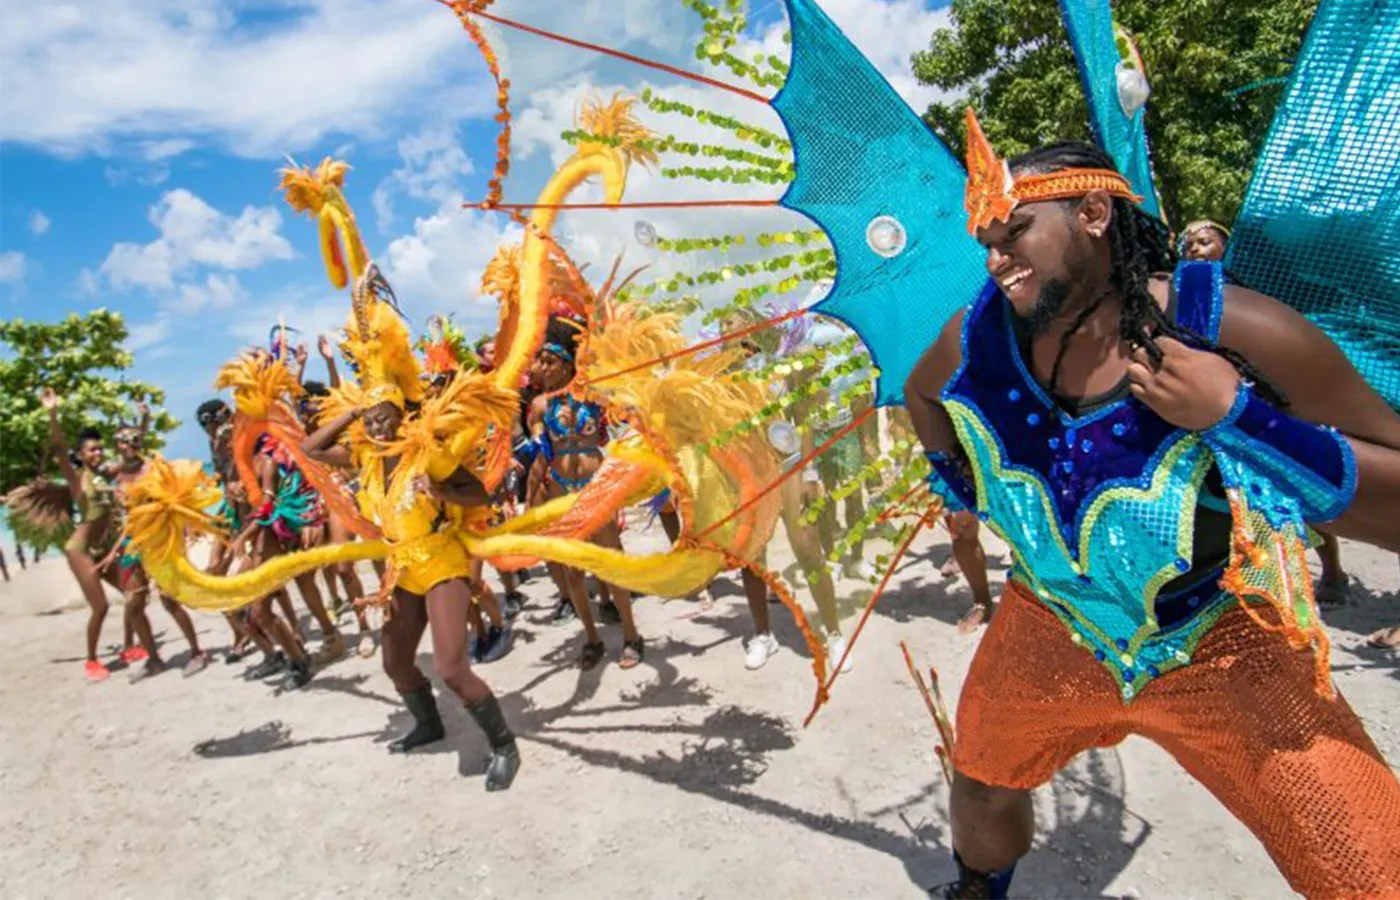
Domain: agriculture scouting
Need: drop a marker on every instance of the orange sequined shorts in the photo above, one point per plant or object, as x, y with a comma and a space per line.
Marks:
1244, 719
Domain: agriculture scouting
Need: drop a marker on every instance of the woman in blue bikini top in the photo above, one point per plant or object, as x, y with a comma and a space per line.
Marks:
569, 433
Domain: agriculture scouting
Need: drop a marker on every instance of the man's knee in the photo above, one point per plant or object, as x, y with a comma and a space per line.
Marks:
992, 798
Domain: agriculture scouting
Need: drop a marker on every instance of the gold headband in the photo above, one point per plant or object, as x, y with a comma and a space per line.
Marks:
384, 393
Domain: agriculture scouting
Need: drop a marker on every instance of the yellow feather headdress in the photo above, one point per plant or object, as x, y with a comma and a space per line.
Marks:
379, 345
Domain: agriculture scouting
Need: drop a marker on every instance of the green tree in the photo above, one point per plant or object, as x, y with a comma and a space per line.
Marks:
82, 359
1205, 59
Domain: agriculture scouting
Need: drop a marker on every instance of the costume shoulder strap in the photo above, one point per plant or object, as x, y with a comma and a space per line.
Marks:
1199, 290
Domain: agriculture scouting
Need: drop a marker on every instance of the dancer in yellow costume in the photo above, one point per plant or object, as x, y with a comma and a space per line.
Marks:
420, 483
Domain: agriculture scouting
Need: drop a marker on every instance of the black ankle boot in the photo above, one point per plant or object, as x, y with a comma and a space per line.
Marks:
427, 724
505, 758
976, 885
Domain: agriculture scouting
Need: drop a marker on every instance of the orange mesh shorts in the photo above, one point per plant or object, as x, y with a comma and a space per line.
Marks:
1243, 718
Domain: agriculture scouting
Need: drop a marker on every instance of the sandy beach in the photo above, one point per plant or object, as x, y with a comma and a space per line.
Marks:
689, 777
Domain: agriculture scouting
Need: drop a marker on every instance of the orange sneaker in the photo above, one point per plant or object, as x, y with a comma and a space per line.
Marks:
134, 655
95, 671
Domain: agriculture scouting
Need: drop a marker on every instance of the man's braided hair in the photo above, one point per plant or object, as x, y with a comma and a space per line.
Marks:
1139, 246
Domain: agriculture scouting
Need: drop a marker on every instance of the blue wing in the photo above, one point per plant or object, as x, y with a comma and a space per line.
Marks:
862, 153
1320, 227
1124, 137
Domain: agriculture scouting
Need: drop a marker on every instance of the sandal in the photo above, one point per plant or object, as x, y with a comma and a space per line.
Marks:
592, 655
1385, 639
974, 618
632, 654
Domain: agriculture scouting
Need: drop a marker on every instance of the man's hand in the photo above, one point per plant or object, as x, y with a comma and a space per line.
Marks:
48, 399
327, 349
1191, 389
299, 354
143, 408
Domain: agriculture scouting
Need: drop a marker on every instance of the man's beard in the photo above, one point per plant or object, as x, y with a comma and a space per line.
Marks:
1047, 307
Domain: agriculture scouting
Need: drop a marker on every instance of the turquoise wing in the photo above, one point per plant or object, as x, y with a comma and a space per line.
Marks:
887, 193
1121, 134
1320, 227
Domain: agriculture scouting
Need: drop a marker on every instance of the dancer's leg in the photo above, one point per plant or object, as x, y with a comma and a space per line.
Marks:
84, 570
447, 604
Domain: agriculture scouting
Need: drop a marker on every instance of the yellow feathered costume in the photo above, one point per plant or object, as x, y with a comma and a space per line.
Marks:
670, 410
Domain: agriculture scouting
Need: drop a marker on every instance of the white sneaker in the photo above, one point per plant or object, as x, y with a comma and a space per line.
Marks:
835, 649
760, 649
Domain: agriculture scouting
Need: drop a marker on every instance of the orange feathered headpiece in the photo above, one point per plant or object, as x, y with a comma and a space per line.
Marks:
993, 194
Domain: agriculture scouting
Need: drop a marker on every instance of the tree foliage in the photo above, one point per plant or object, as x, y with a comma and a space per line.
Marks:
82, 359
1011, 59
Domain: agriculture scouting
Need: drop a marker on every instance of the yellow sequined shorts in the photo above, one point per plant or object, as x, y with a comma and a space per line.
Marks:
1243, 718
432, 559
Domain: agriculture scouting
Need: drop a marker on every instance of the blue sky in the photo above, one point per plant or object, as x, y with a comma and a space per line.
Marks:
139, 148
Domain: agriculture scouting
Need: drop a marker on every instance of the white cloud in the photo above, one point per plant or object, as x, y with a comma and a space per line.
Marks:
149, 335
311, 308
433, 164
195, 234
87, 283
12, 266
437, 268
889, 33
215, 292
39, 223
155, 76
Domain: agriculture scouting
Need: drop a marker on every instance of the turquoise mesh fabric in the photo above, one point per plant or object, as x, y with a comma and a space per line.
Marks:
1090, 27
1320, 228
862, 153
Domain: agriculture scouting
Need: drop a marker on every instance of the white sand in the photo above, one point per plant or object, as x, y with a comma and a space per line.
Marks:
689, 777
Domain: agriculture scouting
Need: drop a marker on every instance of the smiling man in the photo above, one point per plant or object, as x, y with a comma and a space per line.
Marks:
1149, 442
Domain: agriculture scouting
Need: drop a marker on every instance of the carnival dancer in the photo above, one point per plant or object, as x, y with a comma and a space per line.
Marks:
215, 417
278, 526
95, 532
445, 353
1146, 443
419, 492
570, 434
135, 584
760, 352
1203, 241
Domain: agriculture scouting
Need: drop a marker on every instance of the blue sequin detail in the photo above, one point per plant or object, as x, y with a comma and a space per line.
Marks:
1119, 429
1086, 446
1013, 395
1054, 443
1033, 419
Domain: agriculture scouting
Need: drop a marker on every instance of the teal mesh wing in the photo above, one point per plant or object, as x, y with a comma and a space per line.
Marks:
1320, 227
1124, 137
862, 153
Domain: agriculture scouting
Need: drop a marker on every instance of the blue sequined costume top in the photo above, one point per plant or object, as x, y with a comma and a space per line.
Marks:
1101, 510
